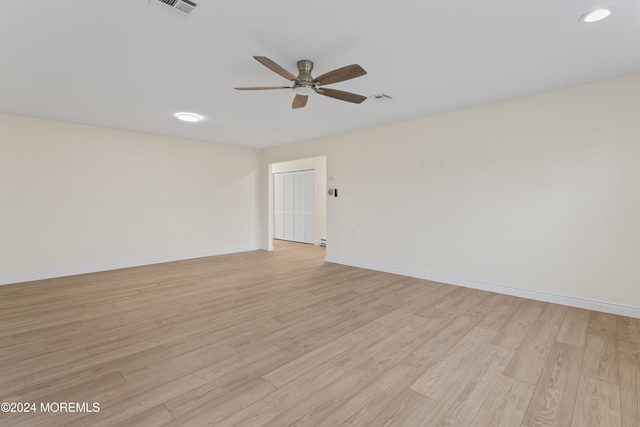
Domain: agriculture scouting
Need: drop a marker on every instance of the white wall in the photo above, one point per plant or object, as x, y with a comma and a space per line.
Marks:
79, 198
540, 196
319, 165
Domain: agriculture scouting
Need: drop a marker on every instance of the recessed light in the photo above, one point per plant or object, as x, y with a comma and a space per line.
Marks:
188, 117
595, 15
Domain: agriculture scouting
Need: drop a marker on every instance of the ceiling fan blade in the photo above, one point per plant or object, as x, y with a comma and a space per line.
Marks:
300, 101
341, 95
340, 75
275, 68
262, 88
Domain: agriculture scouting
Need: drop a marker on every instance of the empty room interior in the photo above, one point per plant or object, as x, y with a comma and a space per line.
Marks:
347, 213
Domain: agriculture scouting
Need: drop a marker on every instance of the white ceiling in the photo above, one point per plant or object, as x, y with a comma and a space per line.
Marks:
124, 64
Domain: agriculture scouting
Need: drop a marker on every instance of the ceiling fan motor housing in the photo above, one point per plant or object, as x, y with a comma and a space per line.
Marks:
304, 71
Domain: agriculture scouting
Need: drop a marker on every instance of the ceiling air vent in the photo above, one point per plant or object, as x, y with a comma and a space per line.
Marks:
178, 7
381, 97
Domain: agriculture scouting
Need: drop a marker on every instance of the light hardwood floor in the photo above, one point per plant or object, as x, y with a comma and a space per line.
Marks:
284, 338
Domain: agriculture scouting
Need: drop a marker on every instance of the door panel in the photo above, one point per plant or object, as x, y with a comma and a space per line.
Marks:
294, 206
288, 206
309, 206
298, 206
278, 206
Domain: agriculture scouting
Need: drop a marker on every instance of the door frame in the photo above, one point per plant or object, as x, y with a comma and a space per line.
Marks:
320, 166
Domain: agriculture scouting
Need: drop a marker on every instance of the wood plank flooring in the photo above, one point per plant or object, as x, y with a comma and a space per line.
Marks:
282, 338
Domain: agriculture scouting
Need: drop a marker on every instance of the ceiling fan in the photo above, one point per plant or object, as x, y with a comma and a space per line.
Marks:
305, 85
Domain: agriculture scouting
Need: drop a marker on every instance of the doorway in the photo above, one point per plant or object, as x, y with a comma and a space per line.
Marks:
275, 208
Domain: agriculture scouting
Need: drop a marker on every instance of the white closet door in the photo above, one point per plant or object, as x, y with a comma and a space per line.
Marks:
298, 206
309, 206
288, 206
278, 206
294, 206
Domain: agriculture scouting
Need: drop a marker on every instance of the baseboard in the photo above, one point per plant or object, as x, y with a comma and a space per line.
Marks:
6, 280
603, 306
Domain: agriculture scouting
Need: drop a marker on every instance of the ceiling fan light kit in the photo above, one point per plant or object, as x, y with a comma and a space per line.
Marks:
304, 84
304, 90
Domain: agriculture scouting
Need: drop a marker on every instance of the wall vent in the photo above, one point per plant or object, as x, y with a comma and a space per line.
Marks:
380, 97
182, 8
